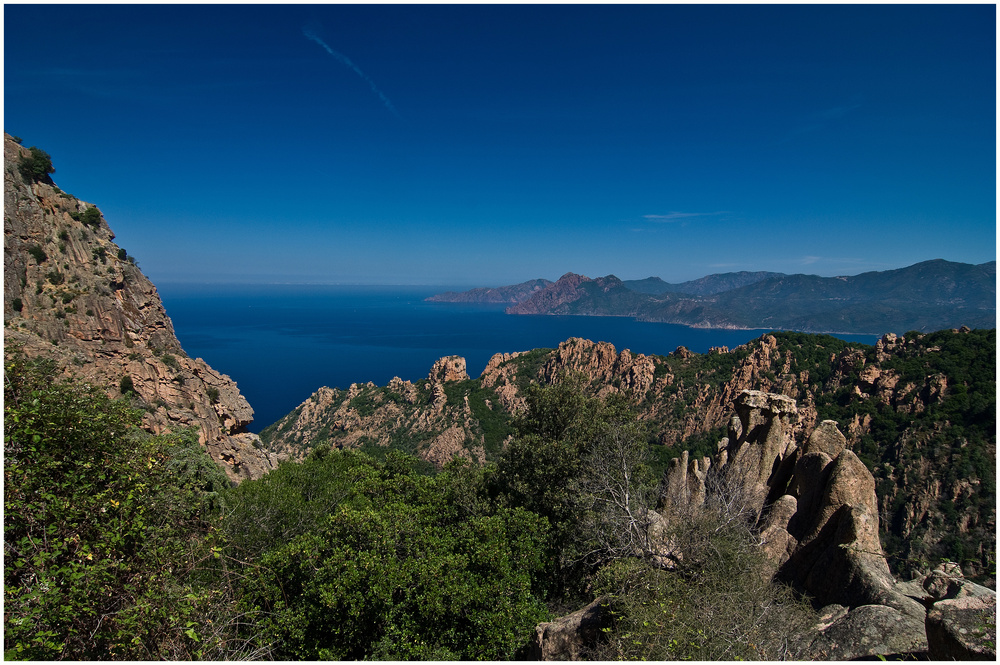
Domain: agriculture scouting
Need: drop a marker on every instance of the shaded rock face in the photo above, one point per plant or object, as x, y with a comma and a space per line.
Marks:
963, 628
73, 295
817, 517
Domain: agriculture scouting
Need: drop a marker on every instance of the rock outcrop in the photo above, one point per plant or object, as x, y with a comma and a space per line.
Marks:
418, 417
819, 527
684, 395
73, 295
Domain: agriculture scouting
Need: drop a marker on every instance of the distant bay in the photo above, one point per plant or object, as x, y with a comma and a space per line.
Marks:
282, 342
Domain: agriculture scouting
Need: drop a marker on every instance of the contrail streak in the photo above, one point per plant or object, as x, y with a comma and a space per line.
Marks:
347, 61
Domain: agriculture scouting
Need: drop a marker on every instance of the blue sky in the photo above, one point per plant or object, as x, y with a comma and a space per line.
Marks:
487, 145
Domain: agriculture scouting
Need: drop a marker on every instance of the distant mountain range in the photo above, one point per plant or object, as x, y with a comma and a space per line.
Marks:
926, 296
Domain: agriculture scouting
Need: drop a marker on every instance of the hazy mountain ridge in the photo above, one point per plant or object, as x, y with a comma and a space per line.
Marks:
503, 294
703, 286
926, 296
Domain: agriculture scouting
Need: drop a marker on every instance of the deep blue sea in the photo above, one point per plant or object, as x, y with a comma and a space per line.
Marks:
282, 342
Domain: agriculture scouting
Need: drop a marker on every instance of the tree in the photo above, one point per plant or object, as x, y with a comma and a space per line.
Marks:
91, 217
617, 492
579, 462
397, 570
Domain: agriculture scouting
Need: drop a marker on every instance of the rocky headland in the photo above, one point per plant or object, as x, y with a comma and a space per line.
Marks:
926, 296
502, 294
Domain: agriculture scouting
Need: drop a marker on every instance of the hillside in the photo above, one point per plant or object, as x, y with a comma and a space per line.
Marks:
926, 296
655, 499
503, 294
73, 295
919, 411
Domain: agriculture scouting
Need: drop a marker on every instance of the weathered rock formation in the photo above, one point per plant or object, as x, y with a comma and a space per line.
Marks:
420, 418
72, 294
817, 516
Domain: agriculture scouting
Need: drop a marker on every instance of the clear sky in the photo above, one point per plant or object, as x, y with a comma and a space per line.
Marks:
488, 145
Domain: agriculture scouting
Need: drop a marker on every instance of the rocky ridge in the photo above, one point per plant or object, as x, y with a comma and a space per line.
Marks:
73, 295
686, 399
418, 417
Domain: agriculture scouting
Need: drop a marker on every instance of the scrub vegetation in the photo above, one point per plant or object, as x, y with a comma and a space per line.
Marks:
124, 545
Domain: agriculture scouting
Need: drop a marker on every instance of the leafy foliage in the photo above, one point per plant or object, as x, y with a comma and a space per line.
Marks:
91, 217
560, 466
104, 525
389, 564
36, 166
38, 253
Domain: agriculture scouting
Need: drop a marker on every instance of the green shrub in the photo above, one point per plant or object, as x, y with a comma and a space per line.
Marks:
716, 605
91, 217
17, 304
38, 253
36, 166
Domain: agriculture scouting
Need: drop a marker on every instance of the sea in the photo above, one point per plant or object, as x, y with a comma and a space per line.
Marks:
281, 342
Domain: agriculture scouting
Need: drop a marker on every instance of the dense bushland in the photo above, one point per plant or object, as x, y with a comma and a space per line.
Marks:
108, 547
124, 545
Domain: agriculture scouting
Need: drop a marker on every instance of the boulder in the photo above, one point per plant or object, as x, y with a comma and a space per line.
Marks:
865, 631
570, 637
826, 438
963, 628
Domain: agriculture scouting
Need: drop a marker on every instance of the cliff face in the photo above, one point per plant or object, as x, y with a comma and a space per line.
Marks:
73, 295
